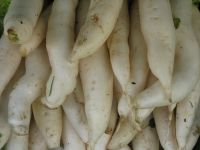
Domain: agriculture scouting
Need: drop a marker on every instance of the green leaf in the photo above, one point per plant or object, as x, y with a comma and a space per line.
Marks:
51, 86
191, 104
196, 2
4, 4
177, 22
0, 135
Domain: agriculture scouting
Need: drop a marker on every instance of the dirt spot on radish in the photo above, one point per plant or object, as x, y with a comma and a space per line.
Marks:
109, 131
197, 131
23, 116
95, 18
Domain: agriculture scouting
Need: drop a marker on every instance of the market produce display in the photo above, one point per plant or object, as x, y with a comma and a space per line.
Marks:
99, 75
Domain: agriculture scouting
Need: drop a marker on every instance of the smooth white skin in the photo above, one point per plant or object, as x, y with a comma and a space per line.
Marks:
70, 138
60, 41
166, 133
97, 80
138, 64
159, 33
100, 20
75, 112
138, 55
147, 139
5, 128
78, 92
102, 143
194, 133
142, 114
38, 35
123, 136
36, 139
185, 116
17, 142
27, 89
9, 61
187, 63
21, 19
49, 122
119, 48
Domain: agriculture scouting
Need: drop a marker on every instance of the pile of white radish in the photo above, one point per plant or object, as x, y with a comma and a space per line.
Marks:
100, 75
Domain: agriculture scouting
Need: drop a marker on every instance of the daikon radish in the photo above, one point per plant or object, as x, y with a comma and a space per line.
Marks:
142, 114
138, 63
119, 49
5, 128
138, 54
36, 139
185, 116
97, 80
75, 113
166, 133
159, 33
27, 89
71, 139
123, 136
49, 122
39, 33
9, 61
194, 133
60, 41
190, 49
100, 20
187, 63
21, 19
102, 143
147, 139
17, 142
78, 92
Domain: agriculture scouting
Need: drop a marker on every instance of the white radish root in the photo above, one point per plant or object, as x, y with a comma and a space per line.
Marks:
119, 49
100, 20
166, 134
97, 80
36, 139
60, 41
19, 23
70, 137
147, 138
9, 61
159, 33
27, 89
39, 33
75, 113
49, 122
17, 142
5, 128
